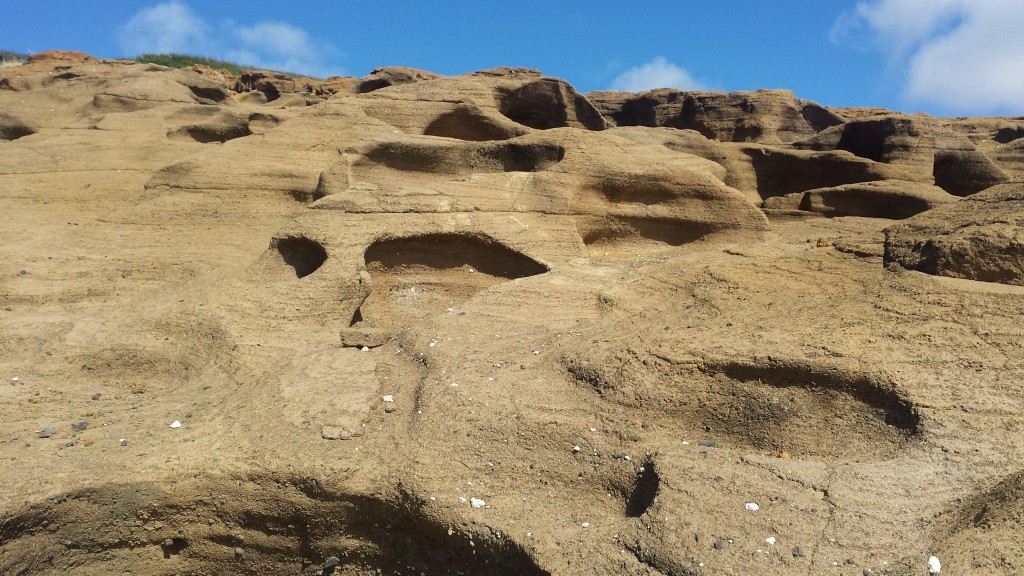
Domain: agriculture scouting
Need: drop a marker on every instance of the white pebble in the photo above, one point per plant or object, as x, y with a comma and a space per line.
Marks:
536, 352
576, 448
477, 503
388, 398
364, 349
585, 524
175, 424
934, 566
752, 506
15, 379
770, 541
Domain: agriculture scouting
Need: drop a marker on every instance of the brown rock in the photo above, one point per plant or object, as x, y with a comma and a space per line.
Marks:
882, 199
980, 238
769, 116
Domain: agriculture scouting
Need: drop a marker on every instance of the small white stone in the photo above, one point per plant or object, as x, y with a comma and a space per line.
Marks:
175, 424
576, 448
477, 503
388, 398
432, 344
364, 349
536, 352
461, 499
585, 524
450, 310
752, 506
770, 541
15, 379
593, 429
934, 566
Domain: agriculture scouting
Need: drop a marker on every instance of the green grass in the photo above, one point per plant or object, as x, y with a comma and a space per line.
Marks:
8, 58
183, 60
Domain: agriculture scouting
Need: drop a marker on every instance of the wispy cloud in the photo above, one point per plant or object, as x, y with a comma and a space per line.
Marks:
167, 27
658, 73
174, 27
963, 56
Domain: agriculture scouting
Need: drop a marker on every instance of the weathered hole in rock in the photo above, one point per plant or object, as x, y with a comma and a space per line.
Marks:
209, 133
464, 123
638, 188
645, 490
780, 408
367, 86
546, 103
455, 159
209, 93
868, 139
595, 230
783, 172
1008, 134
302, 254
12, 128
421, 275
251, 526
259, 121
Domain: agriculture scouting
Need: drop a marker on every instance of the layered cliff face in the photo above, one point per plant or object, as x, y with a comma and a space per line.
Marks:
658, 333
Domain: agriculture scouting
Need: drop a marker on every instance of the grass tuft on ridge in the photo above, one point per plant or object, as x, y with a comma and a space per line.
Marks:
8, 58
184, 60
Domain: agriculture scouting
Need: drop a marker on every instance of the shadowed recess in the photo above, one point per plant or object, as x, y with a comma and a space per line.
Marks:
547, 103
457, 158
302, 254
12, 128
465, 123
450, 251
247, 526
596, 230
811, 413
644, 491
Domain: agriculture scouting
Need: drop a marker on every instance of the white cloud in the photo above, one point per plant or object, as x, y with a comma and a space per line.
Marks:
658, 73
166, 27
174, 27
963, 56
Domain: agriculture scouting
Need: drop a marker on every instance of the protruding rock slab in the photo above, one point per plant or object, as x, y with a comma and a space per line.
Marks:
894, 199
978, 238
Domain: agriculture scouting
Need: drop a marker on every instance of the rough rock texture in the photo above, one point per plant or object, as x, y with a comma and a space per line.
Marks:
770, 116
980, 238
929, 151
893, 199
587, 349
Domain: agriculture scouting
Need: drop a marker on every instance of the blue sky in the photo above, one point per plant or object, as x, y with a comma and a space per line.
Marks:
947, 57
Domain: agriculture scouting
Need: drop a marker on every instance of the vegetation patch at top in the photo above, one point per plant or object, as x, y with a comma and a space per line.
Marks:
8, 58
185, 60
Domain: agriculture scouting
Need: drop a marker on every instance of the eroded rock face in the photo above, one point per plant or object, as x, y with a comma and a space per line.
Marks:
924, 148
770, 116
894, 199
467, 325
979, 238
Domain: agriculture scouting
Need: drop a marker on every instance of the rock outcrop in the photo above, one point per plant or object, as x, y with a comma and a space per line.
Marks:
768, 116
979, 238
893, 199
